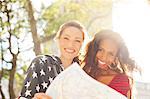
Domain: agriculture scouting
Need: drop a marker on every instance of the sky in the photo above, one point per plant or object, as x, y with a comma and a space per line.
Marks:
131, 18
37, 4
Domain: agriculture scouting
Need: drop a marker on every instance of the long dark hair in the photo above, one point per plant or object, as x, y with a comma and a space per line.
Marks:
127, 64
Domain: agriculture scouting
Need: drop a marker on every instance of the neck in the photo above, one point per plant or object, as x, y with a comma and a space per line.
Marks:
107, 72
66, 61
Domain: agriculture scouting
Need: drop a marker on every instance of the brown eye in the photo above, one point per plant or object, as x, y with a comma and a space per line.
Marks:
77, 41
111, 54
66, 38
99, 49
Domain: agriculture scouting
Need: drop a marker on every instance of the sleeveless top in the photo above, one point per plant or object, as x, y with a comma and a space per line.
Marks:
40, 74
120, 83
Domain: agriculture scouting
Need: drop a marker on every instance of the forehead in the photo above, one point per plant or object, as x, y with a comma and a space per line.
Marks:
72, 32
109, 45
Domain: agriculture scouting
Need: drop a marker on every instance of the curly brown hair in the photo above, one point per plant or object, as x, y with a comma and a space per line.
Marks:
127, 64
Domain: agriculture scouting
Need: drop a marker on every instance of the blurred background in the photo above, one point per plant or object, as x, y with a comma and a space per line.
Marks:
27, 29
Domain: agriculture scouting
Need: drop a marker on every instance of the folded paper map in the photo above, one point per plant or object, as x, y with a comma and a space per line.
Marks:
74, 83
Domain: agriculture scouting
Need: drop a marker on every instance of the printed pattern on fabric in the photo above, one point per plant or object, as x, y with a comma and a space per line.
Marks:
40, 74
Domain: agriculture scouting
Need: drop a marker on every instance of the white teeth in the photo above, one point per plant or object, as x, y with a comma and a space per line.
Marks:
101, 62
69, 50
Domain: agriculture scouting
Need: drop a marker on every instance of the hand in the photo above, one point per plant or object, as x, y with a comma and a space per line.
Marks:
41, 96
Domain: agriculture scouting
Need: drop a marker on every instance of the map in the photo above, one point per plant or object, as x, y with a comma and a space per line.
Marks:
74, 83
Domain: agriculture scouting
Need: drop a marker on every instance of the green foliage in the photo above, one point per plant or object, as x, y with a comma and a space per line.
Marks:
18, 78
18, 83
60, 11
13, 20
84, 11
24, 69
5, 73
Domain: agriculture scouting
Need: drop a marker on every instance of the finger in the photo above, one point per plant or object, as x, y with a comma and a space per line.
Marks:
42, 96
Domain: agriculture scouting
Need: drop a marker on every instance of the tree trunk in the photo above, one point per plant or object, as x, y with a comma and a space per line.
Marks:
32, 21
13, 69
1, 75
48, 38
11, 77
14, 59
1, 72
2, 94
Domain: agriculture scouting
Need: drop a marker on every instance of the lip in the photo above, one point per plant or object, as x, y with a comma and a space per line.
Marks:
102, 65
100, 62
69, 50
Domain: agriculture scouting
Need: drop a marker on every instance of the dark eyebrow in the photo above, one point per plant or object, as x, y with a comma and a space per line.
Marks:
100, 47
111, 53
78, 38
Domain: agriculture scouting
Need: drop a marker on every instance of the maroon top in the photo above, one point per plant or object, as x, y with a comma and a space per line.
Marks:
120, 83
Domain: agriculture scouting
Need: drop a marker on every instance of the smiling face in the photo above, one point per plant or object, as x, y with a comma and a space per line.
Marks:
106, 53
70, 42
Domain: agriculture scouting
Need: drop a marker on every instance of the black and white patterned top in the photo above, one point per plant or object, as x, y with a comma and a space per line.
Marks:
40, 74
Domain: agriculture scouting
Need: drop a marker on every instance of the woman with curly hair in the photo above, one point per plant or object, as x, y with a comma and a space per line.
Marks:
108, 61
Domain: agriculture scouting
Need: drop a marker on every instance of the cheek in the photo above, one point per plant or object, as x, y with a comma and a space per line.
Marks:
111, 60
62, 43
78, 46
98, 55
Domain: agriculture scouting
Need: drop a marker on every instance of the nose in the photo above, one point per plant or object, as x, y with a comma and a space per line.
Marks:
70, 44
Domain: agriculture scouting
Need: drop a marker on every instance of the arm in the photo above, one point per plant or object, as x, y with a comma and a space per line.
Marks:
41, 96
130, 94
31, 80
39, 76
